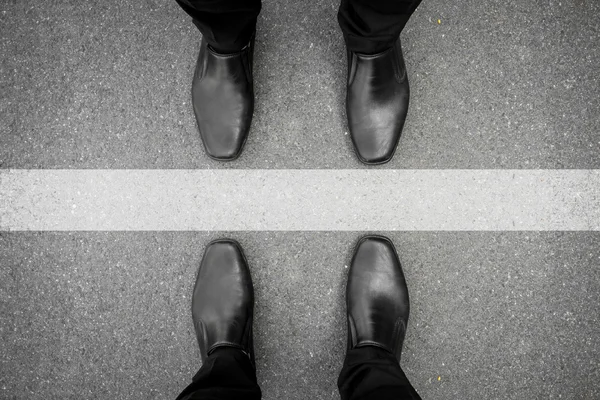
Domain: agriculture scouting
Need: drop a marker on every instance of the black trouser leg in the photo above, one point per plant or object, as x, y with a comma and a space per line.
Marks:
372, 26
371, 373
227, 374
227, 25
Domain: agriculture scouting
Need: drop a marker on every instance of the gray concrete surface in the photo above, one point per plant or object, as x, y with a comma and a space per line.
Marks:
106, 84
106, 315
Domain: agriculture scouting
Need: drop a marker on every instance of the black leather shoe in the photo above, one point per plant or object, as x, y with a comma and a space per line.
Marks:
223, 300
376, 297
223, 99
377, 103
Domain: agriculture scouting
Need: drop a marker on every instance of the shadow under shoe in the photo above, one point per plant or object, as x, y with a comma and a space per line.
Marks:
223, 300
223, 100
376, 297
377, 103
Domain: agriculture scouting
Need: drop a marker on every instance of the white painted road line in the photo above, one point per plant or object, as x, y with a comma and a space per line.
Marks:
300, 200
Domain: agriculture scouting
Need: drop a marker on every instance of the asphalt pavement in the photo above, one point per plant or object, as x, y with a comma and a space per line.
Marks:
107, 315
106, 84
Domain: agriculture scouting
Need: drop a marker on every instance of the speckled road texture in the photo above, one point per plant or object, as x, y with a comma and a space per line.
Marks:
105, 84
107, 315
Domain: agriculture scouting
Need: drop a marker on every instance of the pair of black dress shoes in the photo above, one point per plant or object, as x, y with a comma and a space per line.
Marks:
376, 298
376, 101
